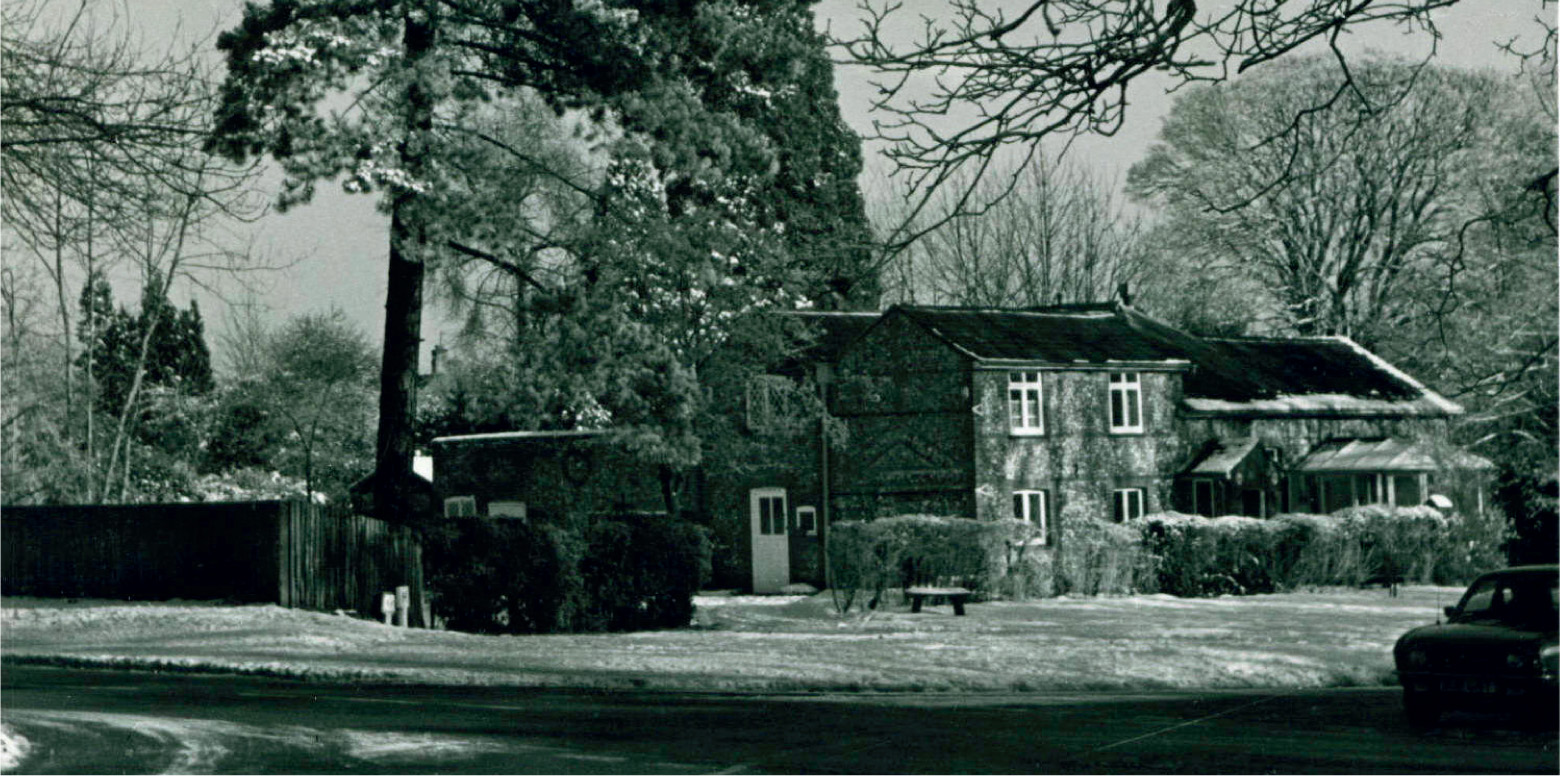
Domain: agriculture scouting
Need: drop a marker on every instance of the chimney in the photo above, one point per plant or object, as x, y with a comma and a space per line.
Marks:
438, 350
1124, 293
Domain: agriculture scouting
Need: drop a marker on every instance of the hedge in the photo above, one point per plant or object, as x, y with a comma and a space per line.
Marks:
629, 572
896, 552
1183, 555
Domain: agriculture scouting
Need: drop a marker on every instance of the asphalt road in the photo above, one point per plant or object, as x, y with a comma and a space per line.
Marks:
80, 721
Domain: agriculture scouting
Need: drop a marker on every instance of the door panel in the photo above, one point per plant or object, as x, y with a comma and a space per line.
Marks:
768, 523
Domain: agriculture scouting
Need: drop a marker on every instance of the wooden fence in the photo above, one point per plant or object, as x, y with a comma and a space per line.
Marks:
290, 553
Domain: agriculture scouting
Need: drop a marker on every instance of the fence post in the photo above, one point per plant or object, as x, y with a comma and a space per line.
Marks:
403, 604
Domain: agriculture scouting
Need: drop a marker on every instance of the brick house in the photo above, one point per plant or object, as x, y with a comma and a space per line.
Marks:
1072, 410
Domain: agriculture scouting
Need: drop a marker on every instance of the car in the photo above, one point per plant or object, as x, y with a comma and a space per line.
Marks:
1495, 651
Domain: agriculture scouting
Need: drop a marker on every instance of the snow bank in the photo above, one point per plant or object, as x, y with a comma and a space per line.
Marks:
13, 748
777, 643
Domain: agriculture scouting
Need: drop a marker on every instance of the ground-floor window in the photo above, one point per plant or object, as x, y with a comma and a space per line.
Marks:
1127, 504
807, 521
1030, 506
460, 506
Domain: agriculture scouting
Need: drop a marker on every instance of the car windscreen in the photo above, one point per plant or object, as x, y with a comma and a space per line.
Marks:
1512, 600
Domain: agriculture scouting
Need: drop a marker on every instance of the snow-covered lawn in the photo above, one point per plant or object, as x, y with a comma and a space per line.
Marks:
1330, 637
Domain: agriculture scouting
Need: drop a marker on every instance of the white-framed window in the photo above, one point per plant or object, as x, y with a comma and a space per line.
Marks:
460, 506
807, 521
1127, 504
1031, 506
1025, 403
1126, 402
771, 513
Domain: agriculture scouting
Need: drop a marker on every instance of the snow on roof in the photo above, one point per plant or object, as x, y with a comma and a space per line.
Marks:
1384, 455
512, 436
1223, 456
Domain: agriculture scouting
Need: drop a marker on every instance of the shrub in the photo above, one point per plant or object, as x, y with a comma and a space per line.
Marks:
1097, 556
515, 576
503, 576
873, 556
642, 572
1199, 556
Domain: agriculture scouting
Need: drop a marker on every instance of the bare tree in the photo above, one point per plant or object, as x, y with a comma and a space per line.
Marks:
1059, 236
101, 164
982, 76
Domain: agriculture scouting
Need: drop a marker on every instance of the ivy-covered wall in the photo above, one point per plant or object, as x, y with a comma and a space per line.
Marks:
904, 396
554, 477
1077, 458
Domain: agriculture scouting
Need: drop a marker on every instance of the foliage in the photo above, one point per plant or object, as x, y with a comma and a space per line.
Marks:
1366, 212
895, 552
1060, 235
713, 146
975, 78
177, 356
1196, 556
618, 573
1531, 503
1097, 556
642, 572
503, 576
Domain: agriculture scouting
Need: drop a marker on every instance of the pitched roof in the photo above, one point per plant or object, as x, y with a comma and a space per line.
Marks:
1065, 334
1221, 457
1383, 455
1304, 376
835, 330
1244, 376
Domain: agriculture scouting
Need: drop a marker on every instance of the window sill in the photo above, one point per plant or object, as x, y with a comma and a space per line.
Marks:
1127, 432
1026, 432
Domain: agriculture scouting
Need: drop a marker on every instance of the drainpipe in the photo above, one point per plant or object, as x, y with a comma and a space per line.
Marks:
826, 512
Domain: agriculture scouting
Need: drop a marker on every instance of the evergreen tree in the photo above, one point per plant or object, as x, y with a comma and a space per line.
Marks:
689, 220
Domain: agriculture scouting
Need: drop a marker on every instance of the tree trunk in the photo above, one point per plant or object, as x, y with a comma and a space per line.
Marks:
403, 298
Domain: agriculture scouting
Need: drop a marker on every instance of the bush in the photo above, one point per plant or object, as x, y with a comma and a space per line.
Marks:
873, 556
1195, 556
515, 576
504, 576
1096, 556
1200, 556
642, 572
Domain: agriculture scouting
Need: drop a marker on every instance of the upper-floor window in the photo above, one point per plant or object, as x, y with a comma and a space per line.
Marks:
1024, 403
1126, 402
1128, 504
1030, 506
768, 403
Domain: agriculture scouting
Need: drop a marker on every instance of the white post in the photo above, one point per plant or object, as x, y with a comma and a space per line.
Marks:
403, 604
387, 606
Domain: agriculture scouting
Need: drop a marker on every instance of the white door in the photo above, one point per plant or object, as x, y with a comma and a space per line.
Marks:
771, 546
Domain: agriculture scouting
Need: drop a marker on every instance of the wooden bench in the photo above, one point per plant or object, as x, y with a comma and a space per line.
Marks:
955, 595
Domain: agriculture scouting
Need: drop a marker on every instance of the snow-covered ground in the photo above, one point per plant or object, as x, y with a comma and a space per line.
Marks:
1330, 637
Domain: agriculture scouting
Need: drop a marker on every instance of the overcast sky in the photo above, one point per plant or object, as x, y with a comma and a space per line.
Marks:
339, 241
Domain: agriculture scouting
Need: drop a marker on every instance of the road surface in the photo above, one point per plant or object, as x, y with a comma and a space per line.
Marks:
78, 721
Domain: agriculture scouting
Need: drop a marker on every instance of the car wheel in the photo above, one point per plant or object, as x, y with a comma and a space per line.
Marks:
1423, 709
